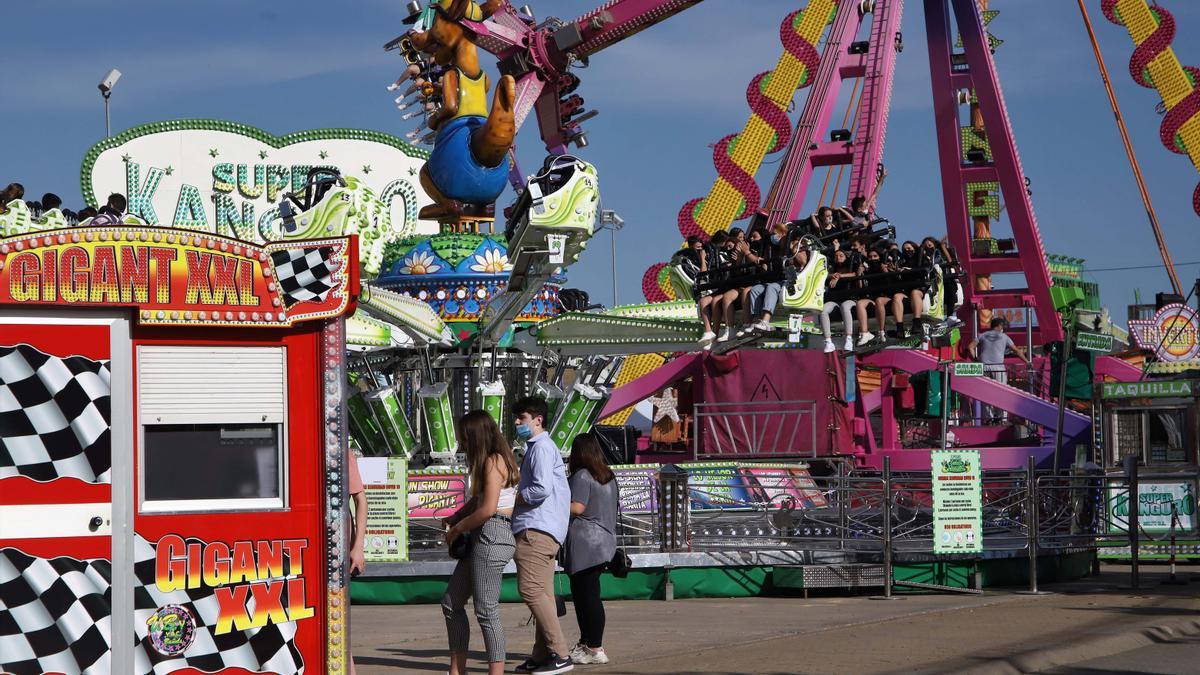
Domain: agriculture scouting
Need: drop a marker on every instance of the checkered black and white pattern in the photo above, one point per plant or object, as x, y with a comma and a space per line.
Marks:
54, 614
54, 416
304, 274
55, 617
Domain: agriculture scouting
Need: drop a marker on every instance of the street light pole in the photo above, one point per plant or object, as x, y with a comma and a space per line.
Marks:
106, 86
612, 238
609, 220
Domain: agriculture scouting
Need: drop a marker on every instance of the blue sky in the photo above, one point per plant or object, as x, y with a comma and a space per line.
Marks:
664, 96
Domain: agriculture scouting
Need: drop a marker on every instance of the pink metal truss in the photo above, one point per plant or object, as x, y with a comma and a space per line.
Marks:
954, 77
810, 147
806, 149
877, 96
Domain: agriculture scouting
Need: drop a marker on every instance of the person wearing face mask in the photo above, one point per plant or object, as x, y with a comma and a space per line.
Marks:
857, 216
875, 265
710, 258
764, 297
727, 303
824, 224
540, 520
842, 272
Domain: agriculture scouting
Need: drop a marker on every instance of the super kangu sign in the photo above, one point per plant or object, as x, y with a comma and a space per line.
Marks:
228, 179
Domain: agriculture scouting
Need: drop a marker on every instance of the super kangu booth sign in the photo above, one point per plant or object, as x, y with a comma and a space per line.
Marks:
228, 178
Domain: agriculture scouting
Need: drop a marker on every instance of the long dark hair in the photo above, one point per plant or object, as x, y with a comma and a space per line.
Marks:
586, 454
481, 438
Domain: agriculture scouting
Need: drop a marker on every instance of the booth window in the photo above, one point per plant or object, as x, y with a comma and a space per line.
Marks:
212, 428
1156, 435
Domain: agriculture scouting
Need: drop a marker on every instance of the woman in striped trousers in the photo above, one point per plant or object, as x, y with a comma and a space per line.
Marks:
486, 519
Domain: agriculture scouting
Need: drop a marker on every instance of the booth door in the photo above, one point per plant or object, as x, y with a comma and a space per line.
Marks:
64, 408
230, 519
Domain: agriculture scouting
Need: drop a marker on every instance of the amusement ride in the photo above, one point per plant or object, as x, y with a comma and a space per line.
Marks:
760, 441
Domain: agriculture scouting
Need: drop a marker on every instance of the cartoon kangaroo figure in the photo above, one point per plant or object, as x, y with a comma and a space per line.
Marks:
467, 165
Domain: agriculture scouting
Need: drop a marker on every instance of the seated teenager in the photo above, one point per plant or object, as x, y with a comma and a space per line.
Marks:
711, 258
841, 272
764, 298
911, 259
875, 266
728, 302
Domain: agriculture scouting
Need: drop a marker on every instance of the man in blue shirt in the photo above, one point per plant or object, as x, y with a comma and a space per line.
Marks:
540, 519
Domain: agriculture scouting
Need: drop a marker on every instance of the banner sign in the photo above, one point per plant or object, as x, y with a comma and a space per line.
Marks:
385, 481
717, 485
779, 485
1155, 499
957, 501
1094, 342
228, 179
637, 486
1150, 389
433, 494
1173, 334
176, 277
968, 369
270, 572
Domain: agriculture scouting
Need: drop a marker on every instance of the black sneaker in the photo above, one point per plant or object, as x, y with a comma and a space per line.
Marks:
554, 664
527, 665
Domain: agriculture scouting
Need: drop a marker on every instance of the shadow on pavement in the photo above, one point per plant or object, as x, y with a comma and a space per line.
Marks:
434, 660
1139, 611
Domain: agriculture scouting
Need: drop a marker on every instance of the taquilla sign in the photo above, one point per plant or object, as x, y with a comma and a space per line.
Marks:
228, 178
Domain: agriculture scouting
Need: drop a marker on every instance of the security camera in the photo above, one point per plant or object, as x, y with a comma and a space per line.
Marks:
109, 81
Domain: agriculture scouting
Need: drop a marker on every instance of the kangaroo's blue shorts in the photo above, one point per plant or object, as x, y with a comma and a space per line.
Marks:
454, 169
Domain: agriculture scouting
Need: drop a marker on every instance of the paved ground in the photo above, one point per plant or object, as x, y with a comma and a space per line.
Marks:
1000, 632
1177, 656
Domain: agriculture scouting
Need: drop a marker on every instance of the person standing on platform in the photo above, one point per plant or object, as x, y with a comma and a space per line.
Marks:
540, 521
990, 349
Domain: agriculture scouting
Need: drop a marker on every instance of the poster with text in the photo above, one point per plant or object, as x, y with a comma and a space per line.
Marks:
775, 485
716, 485
385, 482
639, 493
957, 501
435, 495
1156, 501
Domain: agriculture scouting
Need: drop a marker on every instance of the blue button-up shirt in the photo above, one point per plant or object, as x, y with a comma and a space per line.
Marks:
544, 489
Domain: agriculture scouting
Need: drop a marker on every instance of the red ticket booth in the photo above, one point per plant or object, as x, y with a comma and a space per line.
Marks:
172, 443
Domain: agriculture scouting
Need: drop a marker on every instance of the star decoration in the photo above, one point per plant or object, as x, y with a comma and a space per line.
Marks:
665, 406
993, 41
323, 155
262, 154
212, 152
125, 158
412, 171
366, 169
169, 170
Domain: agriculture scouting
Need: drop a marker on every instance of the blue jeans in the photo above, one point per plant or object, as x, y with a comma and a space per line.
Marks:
764, 297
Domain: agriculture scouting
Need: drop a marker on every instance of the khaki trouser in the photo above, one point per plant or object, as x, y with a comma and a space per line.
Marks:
535, 582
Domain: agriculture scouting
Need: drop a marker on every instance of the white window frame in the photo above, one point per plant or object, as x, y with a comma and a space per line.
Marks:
253, 504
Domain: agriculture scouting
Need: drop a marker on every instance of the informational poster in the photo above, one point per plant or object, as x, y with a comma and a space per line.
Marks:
435, 494
717, 485
777, 485
957, 501
637, 487
385, 481
1155, 502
